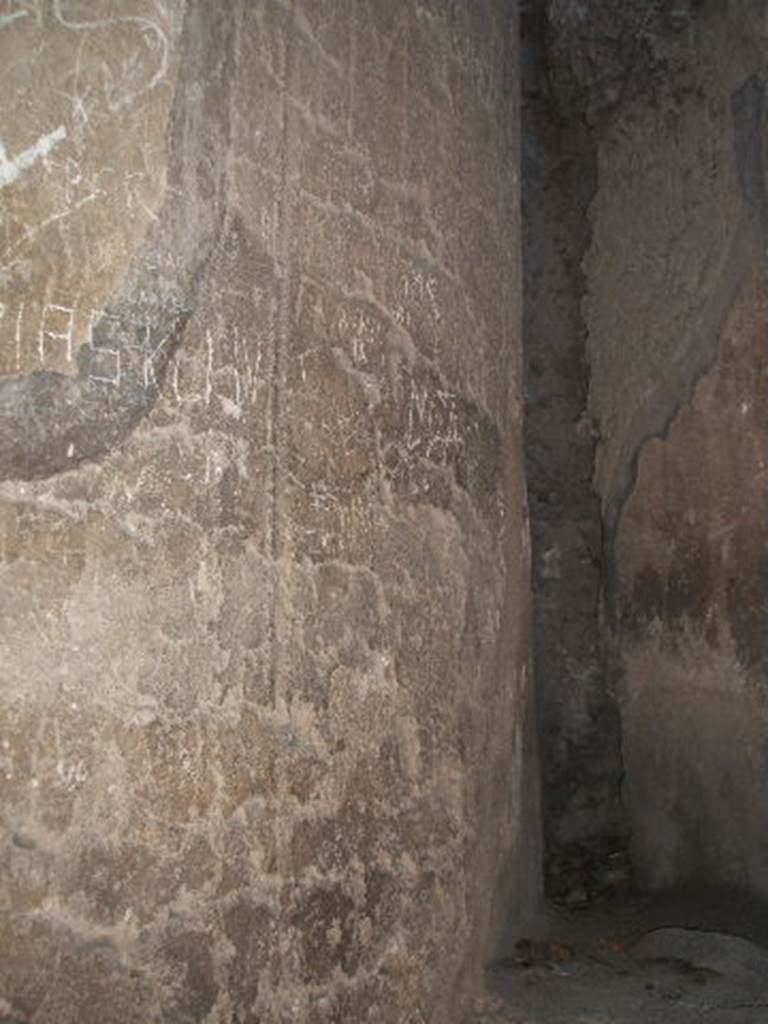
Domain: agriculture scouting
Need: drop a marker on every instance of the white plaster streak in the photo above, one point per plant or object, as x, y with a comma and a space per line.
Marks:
19, 319
8, 19
208, 368
11, 169
154, 39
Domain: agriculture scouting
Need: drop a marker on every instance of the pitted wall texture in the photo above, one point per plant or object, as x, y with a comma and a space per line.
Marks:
265, 720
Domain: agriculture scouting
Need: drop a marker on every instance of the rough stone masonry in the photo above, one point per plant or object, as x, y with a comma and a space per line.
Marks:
266, 747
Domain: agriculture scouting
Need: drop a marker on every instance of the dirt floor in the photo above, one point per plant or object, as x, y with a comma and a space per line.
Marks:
680, 959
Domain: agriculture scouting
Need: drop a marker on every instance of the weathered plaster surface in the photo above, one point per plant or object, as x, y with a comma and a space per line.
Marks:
676, 308
265, 740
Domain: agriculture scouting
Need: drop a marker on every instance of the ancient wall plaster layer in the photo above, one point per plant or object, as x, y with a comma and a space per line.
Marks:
655, 408
691, 554
266, 747
676, 307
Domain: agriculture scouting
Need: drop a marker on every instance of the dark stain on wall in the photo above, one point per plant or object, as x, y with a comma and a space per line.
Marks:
656, 413
51, 422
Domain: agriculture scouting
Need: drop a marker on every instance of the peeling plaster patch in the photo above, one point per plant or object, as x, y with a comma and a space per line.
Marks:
10, 170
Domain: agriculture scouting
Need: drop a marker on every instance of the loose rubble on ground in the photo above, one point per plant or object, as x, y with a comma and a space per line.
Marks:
692, 958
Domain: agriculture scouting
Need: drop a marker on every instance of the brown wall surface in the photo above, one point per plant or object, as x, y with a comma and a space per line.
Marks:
265, 715
676, 281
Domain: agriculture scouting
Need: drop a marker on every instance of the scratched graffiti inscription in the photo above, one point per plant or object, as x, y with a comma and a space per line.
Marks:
94, 63
142, 66
48, 336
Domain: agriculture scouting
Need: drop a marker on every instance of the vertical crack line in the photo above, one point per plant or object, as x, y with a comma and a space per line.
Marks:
351, 73
284, 267
281, 825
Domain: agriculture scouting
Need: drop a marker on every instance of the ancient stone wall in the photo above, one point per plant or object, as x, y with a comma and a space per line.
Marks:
265, 714
676, 308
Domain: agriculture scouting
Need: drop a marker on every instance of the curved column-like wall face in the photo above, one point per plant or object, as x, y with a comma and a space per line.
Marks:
265, 726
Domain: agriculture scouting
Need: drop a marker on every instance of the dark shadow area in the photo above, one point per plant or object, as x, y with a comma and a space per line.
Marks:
645, 321
585, 830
